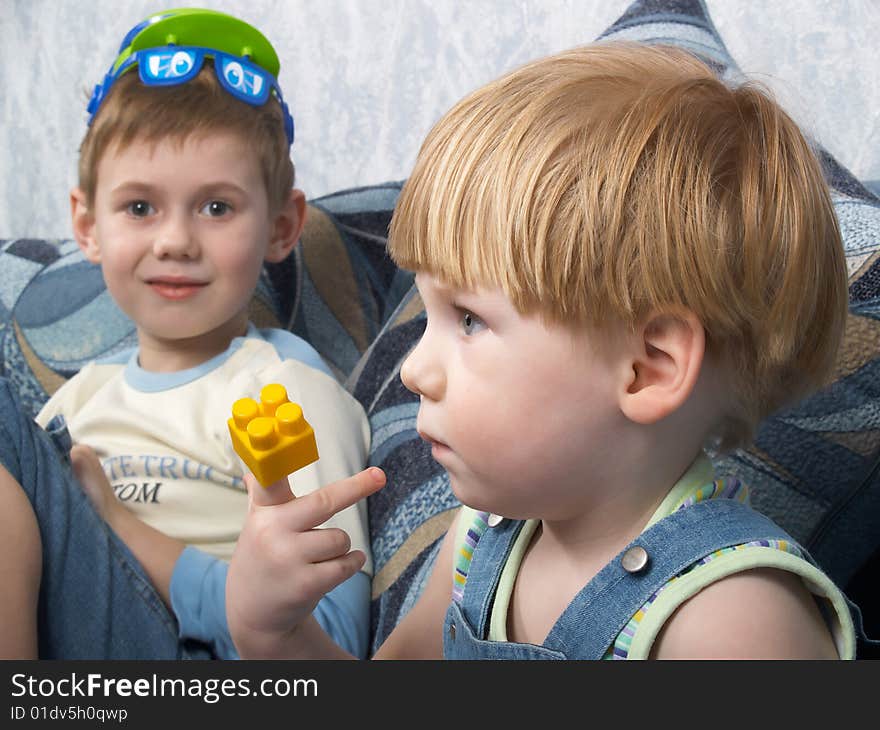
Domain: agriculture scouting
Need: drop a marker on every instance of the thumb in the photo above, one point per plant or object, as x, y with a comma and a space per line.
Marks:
276, 493
85, 462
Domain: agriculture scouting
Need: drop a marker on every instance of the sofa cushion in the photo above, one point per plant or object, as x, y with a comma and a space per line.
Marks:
813, 468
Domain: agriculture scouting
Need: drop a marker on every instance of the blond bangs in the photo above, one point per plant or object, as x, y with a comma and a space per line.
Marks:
478, 196
526, 185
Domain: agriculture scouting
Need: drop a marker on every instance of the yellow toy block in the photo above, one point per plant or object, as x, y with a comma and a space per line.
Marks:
273, 437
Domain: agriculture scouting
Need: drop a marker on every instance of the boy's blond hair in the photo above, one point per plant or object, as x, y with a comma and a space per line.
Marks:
133, 111
615, 180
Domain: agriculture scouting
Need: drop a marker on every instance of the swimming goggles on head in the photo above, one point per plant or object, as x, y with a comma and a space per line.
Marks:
170, 49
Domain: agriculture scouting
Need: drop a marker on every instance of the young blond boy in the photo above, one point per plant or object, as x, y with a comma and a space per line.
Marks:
623, 261
185, 191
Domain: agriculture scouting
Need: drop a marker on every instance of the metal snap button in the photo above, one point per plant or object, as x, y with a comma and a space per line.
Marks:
452, 631
635, 560
494, 520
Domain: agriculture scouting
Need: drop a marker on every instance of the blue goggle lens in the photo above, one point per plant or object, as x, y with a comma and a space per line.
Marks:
246, 81
168, 67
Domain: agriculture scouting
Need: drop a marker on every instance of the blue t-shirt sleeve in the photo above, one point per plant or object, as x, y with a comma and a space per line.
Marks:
344, 613
198, 599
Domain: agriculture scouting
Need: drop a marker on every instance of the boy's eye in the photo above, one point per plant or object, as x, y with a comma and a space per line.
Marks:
216, 208
139, 208
471, 323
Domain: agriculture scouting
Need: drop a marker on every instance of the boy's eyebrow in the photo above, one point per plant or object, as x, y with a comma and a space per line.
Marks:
137, 186
222, 187
131, 186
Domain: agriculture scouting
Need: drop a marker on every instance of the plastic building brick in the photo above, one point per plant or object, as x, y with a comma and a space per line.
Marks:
272, 437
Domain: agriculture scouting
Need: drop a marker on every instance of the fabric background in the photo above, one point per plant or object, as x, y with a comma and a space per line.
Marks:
367, 79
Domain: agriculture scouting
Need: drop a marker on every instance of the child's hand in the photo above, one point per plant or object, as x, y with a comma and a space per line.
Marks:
282, 565
91, 477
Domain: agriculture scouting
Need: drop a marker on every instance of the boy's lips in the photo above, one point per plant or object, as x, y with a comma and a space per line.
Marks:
437, 447
175, 287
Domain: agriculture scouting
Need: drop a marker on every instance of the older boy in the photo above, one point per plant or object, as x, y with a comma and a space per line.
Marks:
618, 256
186, 190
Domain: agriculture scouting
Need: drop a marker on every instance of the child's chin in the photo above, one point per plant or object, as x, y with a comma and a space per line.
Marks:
468, 494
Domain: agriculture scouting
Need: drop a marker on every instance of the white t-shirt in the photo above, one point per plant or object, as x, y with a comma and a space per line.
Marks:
165, 446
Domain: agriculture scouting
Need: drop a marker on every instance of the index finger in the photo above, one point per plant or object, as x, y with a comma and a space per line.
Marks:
315, 508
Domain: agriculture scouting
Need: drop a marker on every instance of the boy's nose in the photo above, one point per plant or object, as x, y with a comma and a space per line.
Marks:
175, 240
422, 372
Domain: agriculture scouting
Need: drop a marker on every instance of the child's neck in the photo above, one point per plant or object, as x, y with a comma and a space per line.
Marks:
620, 508
623, 492
161, 355
565, 554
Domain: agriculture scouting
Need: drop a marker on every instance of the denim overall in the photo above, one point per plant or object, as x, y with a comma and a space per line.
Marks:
597, 614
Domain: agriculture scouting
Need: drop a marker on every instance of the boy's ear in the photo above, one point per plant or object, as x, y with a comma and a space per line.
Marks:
663, 366
287, 227
83, 222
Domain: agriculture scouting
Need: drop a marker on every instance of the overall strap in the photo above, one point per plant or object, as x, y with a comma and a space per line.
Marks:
604, 606
494, 545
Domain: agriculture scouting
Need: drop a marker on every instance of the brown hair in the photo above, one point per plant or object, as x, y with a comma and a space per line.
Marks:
133, 111
619, 179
